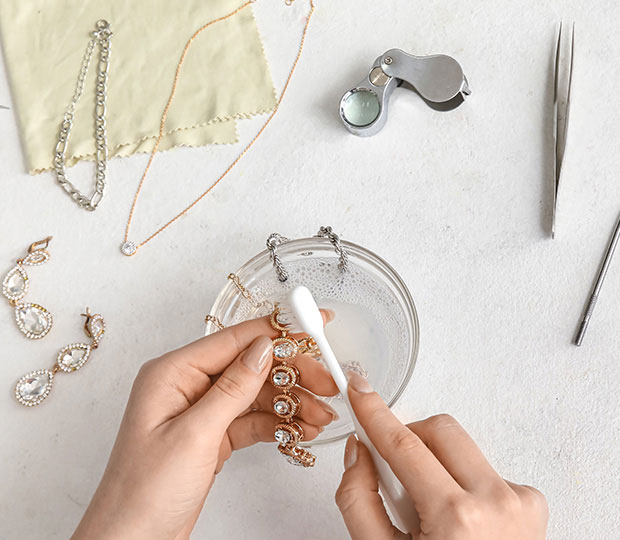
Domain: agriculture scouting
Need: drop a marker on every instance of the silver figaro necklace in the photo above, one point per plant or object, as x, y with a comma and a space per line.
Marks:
99, 37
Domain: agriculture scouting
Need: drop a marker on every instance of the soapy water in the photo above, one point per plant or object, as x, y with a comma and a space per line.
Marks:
369, 334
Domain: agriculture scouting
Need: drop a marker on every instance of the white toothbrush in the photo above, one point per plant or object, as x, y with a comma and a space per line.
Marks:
302, 314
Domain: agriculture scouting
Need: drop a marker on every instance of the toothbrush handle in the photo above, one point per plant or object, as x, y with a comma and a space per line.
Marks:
397, 499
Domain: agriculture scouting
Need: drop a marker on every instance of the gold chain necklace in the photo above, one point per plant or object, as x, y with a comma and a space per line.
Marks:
130, 248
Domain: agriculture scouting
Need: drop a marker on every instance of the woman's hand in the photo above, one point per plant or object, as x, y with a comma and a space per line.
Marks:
187, 412
456, 492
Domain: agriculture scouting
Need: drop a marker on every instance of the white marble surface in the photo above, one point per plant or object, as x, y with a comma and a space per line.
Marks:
458, 202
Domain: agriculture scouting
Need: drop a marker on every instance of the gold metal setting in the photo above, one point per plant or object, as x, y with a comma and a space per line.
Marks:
294, 431
40, 245
214, 321
286, 405
309, 346
36, 385
285, 348
94, 327
276, 323
284, 376
298, 456
33, 320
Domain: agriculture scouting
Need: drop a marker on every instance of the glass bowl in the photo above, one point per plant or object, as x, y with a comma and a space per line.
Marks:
375, 332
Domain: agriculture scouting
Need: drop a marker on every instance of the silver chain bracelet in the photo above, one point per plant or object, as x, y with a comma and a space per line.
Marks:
276, 239
327, 232
101, 37
273, 242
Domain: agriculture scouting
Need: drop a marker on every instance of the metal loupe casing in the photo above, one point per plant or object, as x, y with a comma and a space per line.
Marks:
377, 85
438, 79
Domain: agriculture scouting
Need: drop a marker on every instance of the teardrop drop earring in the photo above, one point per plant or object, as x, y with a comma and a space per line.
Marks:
33, 320
36, 385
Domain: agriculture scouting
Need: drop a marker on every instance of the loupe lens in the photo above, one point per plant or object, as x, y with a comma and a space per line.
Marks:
360, 107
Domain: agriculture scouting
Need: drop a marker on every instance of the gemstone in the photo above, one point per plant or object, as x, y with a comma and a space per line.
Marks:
128, 248
280, 320
281, 407
36, 258
33, 320
96, 326
284, 350
282, 436
281, 378
15, 284
294, 461
360, 107
34, 387
73, 356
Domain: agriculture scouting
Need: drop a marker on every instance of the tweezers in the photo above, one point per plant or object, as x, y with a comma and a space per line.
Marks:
596, 290
561, 112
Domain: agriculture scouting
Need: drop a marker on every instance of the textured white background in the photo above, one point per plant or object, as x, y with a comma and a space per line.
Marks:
458, 203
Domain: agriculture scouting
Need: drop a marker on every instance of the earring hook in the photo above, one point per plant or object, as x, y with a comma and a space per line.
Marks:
89, 316
41, 244
94, 327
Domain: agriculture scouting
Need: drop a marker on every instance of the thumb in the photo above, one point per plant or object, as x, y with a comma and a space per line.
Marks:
236, 388
358, 497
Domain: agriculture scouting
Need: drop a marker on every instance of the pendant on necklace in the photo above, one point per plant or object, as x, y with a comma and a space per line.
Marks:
128, 248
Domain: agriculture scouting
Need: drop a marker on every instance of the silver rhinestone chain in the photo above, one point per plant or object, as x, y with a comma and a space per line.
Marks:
101, 36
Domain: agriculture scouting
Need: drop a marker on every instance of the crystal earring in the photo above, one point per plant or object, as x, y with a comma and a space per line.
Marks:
36, 385
33, 320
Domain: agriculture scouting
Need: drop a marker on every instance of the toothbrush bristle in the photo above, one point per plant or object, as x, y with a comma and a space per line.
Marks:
286, 317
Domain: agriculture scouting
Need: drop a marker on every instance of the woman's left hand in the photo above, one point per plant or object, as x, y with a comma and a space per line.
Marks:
187, 412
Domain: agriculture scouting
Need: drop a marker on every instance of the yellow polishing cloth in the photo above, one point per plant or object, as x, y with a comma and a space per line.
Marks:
225, 74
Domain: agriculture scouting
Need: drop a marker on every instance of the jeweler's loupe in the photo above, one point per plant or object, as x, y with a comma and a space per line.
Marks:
438, 79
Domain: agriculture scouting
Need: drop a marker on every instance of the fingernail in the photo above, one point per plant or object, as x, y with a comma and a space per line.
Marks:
350, 452
358, 383
329, 409
330, 314
258, 354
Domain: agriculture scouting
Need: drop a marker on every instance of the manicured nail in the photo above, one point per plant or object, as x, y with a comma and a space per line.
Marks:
258, 354
330, 314
358, 383
350, 452
329, 409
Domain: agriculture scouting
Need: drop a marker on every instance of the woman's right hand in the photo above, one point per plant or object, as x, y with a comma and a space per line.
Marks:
454, 489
